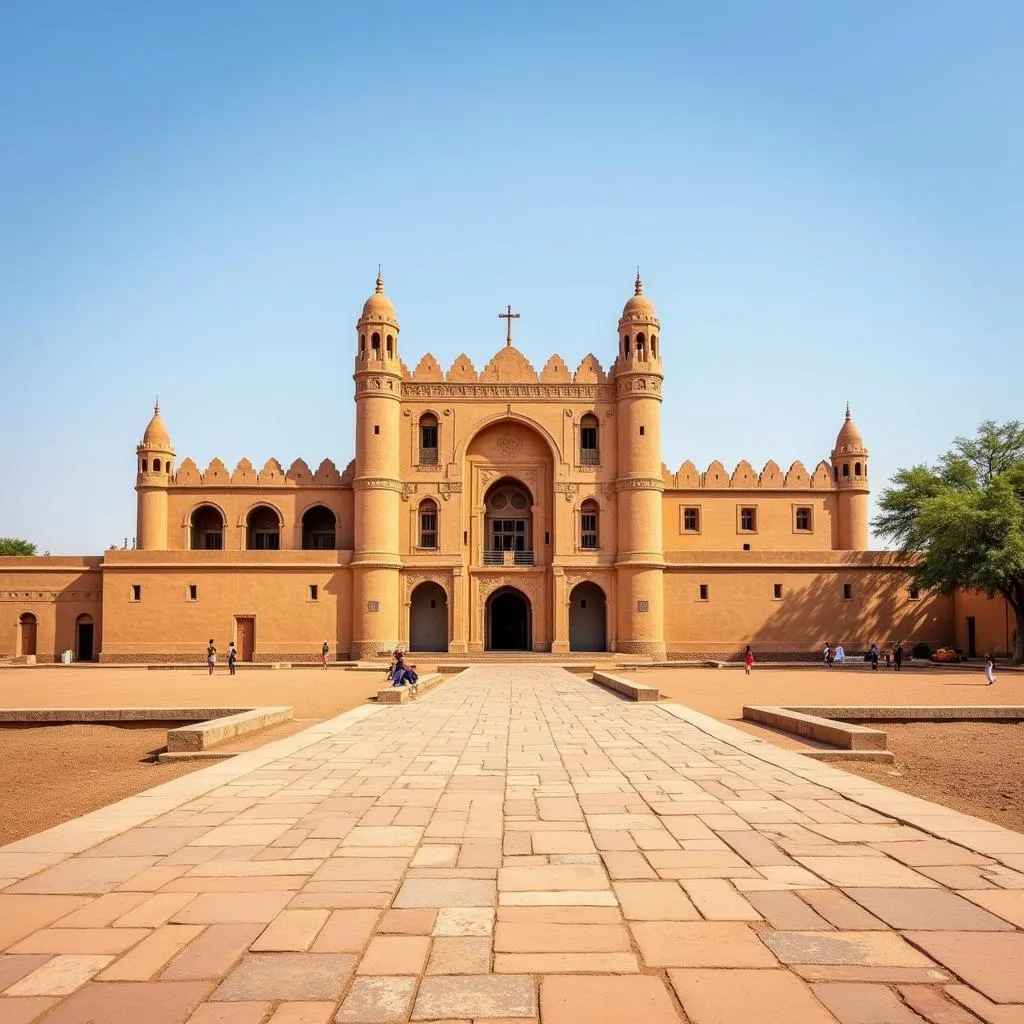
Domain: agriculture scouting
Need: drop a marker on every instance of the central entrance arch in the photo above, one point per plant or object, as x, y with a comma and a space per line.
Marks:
508, 621
428, 618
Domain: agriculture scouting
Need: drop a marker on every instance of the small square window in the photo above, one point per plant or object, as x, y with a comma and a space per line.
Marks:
748, 519
847, 591
193, 592
777, 591
376, 429
913, 594
746, 547
702, 592
136, 591
373, 606
803, 519
691, 519
643, 606
314, 592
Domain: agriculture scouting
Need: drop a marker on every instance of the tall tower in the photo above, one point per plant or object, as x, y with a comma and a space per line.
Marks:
850, 477
376, 603
155, 464
640, 561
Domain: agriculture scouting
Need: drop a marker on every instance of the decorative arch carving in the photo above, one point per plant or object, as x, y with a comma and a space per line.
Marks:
414, 579
243, 518
186, 520
515, 417
487, 585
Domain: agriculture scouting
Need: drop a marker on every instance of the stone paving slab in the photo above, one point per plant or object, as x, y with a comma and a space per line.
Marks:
517, 846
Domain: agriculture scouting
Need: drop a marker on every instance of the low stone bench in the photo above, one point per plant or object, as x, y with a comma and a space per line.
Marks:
813, 727
204, 735
634, 691
401, 694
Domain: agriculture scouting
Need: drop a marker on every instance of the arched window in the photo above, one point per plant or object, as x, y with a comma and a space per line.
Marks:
428, 439
654, 346
625, 345
375, 345
27, 629
206, 529
835, 474
263, 529
588, 525
391, 346
428, 524
640, 354
318, 529
156, 465
590, 454
856, 469
846, 469
145, 465
508, 524
362, 344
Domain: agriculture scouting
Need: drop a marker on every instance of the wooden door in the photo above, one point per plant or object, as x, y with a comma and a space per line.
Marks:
245, 637
27, 622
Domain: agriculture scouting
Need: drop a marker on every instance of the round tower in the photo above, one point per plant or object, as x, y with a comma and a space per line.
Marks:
850, 478
640, 561
155, 466
376, 604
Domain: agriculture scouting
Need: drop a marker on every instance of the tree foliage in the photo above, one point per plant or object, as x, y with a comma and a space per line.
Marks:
16, 546
963, 519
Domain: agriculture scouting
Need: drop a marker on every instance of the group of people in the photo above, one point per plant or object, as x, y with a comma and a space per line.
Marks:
211, 656
401, 674
893, 656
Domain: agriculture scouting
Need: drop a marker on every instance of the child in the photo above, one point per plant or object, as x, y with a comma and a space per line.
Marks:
325, 653
232, 657
989, 667
211, 656
748, 660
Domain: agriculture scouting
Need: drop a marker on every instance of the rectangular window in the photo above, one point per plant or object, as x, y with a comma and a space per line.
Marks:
803, 519
193, 592
748, 519
702, 592
213, 541
691, 519
847, 591
777, 591
428, 529
322, 541
136, 591
508, 534
588, 531
913, 593
376, 428
266, 541
428, 444
588, 446
641, 431
314, 592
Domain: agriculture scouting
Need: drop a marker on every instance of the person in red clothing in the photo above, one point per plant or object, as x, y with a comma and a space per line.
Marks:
748, 660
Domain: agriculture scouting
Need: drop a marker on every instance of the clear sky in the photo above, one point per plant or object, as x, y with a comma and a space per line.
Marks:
824, 196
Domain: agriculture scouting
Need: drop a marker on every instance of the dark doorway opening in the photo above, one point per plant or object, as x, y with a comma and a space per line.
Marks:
972, 639
508, 621
428, 618
83, 638
587, 618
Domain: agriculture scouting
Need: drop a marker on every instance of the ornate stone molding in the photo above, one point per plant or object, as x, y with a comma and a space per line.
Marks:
421, 468
408, 490
505, 392
486, 585
640, 483
509, 446
381, 483
373, 384
638, 384
446, 488
597, 577
566, 489
414, 579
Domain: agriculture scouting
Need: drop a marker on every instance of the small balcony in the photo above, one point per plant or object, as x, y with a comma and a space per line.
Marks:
508, 558
428, 456
590, 457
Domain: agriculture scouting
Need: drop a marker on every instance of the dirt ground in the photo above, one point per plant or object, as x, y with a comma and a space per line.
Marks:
106, 762
974, 767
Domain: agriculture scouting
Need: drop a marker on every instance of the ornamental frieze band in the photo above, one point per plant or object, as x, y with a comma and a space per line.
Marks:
370, 483
521, 392
639, 483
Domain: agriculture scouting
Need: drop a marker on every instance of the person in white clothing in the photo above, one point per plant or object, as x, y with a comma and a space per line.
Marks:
989, 667
840, 654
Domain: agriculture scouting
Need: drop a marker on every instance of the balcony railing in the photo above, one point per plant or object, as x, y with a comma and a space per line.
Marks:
508, 558
428, 456
590, 457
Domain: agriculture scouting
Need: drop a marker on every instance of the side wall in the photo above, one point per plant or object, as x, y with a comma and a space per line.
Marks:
994, 623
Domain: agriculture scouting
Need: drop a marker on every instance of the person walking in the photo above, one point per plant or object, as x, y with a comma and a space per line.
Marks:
897, 655
325, 654
748, 660
873, 655
828, 656
989, 670
232, 657
211, 656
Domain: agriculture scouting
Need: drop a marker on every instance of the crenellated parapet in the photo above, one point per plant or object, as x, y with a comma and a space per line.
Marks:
745, 477
298, 474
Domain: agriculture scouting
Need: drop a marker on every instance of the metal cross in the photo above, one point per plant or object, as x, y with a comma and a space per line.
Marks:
509, 316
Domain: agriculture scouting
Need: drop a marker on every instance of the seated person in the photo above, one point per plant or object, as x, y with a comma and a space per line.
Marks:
404, 673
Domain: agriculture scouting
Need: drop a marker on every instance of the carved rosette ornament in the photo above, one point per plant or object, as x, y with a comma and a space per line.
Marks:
509, 446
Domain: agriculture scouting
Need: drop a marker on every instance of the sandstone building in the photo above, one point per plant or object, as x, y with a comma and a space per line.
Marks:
493, 510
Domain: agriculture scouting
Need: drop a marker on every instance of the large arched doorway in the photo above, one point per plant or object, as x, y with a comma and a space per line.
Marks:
508, 621
318, 529
84, 638
27, 625
428, 618
206, 529
587, 618
263, 529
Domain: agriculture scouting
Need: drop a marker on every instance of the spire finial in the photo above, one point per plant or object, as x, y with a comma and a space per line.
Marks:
639, 284
380, 282
847, 410
156, 406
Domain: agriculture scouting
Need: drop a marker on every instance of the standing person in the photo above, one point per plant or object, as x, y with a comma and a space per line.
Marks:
325, 653
897, 655
989, 669
211, 656
827, 656
232, 657
873, 655
748, 660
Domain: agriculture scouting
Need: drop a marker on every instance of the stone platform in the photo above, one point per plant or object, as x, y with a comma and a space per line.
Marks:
519, 845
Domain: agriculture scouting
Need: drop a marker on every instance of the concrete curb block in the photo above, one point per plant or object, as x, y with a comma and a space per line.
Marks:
634, 691
204, 735
814, 727
402, 694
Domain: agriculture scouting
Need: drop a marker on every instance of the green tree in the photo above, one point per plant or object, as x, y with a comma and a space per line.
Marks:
16, 546
961, 522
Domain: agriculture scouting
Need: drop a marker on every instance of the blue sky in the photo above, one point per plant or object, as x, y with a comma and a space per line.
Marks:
824, 199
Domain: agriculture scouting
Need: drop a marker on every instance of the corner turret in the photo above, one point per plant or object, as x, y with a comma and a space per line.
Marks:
639, 332
155, 465
850, 478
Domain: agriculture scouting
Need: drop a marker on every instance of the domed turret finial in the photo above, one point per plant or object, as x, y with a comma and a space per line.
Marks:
639, 286
156, 406
847, 410
379, 290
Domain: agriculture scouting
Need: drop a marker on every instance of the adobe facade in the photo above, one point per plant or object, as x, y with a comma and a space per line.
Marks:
501, 509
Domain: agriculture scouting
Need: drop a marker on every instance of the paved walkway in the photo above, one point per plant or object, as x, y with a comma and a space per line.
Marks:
519, 845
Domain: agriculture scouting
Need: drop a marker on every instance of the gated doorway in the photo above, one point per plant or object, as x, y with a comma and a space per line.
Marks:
83, 638
587, 618
428, 618
508, 621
